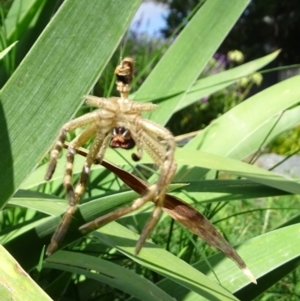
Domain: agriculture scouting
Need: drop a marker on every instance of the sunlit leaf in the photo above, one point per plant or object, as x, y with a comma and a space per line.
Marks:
47, 88
6, 50
210, 84
181, 65
15, 283
238, 132
107, 272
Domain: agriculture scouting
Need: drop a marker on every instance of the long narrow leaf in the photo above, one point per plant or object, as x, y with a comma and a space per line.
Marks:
6, 50
211, 84
107, 272
19, 17
235, 133
162, 262
47, 88
15, 283
269, 257
193, 158
188, 55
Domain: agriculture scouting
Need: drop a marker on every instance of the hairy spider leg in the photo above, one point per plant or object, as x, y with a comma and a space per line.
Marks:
116, 104
163, 157
97, 149
74, 196
68, 127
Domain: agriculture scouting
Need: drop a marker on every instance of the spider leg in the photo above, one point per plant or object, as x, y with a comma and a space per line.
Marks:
61, 230
163, 157
138, 203
69, 126
73, 145
138, 139
106, 103
96, 153
116, 104
74, 197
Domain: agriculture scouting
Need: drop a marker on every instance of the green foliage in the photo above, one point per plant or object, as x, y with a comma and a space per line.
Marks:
210, 107
265, 25
286, 144
46, 90
15, 281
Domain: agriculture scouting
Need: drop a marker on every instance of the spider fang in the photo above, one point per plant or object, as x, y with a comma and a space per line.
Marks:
122, 138
117, 122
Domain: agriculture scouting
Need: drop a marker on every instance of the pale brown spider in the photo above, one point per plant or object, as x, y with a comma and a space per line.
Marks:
119, 118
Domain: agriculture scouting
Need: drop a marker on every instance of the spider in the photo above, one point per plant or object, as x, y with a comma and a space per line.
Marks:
117, 123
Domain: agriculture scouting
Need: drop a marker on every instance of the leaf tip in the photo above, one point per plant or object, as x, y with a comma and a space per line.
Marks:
247, 272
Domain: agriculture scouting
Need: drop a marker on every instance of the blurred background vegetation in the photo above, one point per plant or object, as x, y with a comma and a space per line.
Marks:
265, 26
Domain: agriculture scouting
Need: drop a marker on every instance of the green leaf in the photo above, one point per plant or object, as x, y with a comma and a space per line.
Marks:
114, 233
181, 65
260, 265
238, 132
107, 272
41, 202
196, 158
268, 267
211, 84
20, 16
162, 262
47, 88
207, 191
39, 233
6, 50
15, 283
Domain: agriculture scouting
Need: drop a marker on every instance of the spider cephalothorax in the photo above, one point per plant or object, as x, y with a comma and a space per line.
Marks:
115, 116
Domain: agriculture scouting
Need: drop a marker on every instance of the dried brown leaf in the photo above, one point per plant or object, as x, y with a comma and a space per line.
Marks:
184, 214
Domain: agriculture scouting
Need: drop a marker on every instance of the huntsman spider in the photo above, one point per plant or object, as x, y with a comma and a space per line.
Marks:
118, 123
